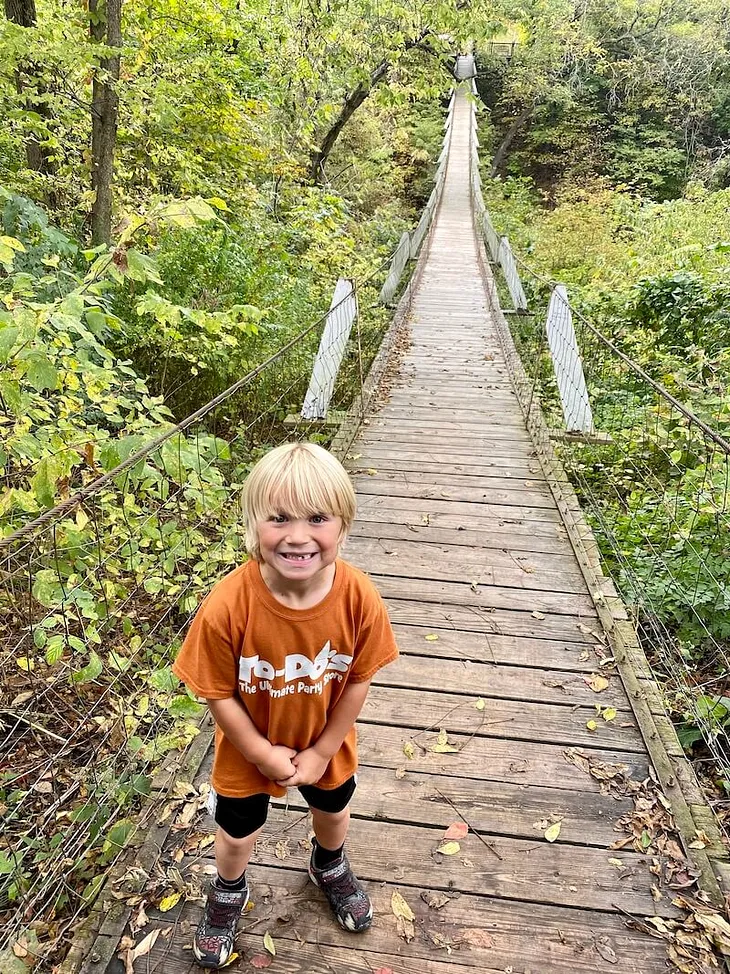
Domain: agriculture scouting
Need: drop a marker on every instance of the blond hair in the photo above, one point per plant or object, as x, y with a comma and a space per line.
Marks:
298, 479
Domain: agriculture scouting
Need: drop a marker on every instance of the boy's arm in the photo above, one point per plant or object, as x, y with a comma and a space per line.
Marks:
272, 760
311, 763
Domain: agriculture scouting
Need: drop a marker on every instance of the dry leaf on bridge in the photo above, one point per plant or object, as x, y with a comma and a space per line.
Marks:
404, 917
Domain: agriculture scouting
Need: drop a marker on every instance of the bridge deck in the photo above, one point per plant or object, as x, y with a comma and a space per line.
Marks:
459, 530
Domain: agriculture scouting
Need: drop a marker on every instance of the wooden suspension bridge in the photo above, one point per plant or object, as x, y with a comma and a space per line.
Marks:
505, 711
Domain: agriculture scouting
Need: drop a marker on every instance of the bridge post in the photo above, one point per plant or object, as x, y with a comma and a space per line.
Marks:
567, 363
509, 268
342, 313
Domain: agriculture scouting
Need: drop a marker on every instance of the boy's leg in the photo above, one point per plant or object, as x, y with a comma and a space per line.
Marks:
240, 821
329, 867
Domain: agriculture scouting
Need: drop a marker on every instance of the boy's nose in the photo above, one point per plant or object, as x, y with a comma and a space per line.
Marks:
297, 533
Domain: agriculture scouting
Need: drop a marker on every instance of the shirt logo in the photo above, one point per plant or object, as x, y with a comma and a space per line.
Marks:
257, 673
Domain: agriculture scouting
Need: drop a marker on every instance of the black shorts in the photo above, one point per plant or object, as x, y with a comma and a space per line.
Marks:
239, 817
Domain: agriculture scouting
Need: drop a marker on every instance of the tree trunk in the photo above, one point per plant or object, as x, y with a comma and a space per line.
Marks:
105, 28
351, 104
510, 135
23, 13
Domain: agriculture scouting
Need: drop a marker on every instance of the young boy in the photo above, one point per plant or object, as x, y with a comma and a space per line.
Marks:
284, 649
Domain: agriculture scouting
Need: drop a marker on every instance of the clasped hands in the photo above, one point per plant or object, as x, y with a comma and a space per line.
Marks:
290, 768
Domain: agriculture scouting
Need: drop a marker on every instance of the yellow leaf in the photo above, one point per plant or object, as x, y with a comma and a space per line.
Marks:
442, 745
25, 663
371, 471
400, 908
591, 725
608, 713
553, 832
234, 957
269, 944
449, 848
82, 519
596, 682
431, 637
409, 750
480, 704
167, 902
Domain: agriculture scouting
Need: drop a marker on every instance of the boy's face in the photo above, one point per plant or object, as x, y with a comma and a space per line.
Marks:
297, 549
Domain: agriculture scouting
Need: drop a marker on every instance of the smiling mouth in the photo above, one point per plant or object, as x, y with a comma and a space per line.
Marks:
301, 558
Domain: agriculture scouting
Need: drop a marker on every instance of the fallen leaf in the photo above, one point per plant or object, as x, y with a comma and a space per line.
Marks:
21, 698
371, 471
457, 830
608, 713
449, 848
400, 773
606, 950
553, 832
143, 947
260, 961
591, 725
596, 682
167, 902
480, 704
269, 944
442, 745
538, 615
281, 849
435, 901
409, 750
404, 917
231, 960
431, 637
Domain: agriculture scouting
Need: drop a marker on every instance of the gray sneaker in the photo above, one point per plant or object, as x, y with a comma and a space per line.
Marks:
348, 900
216, 933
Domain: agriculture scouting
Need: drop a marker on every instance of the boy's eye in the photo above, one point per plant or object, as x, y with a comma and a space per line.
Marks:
318, 518
278, 518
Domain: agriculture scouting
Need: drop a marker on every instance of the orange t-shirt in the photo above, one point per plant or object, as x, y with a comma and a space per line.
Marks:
288, 667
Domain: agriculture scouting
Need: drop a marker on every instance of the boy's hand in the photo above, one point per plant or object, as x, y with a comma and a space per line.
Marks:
309, 767
278, 763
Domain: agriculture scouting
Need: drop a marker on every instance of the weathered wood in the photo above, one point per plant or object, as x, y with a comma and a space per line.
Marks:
492, 758
402, 562
503, 682
509, 650
520, 721
419, 486
479, 596
516, 466
547, 518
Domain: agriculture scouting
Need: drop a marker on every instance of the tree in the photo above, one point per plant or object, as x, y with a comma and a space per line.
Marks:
105, 28
31, 88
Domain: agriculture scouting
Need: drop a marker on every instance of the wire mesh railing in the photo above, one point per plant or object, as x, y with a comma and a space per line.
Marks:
99, 588
653, 482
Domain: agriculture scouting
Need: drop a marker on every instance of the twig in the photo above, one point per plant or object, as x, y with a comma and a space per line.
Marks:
466, 822
646, 927
291, 825
39, 727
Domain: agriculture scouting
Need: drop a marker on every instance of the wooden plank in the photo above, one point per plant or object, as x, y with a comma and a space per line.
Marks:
395, 486
402, 562
538, 551
519, 721
476, 445
504, 532
515, 513
560, 940
499, 649
450, 475
490, 680
502, 621
493, 758
484, 596
372, 452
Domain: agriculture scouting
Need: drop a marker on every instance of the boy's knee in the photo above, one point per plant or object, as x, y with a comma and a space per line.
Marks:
330, 816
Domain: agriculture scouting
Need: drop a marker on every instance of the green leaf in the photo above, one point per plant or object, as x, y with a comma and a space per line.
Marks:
54, 649
163, 680
184, 706
47, 589
43, 485
89, 672
41, 373
8, 338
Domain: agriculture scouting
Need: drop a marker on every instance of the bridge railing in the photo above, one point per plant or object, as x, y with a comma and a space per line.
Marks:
652, 475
